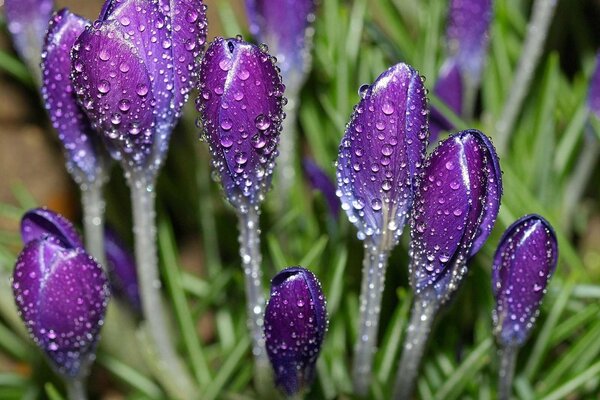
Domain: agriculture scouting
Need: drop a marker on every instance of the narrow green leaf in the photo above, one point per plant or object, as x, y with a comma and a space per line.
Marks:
52, 392
570, 386
277, 254
130, 376
314, 253
226, 371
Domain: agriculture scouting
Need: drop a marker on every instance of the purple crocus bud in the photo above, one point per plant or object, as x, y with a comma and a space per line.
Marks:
455, 208
133, 70
27, 22
382, 152
240, 104
449, 89
40, 223
61, 294
122, 271
523, 264
295, 325
320, 181
593, 98
84, 154
285, 26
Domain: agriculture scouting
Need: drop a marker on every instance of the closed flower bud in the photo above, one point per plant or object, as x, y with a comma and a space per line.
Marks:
240, 104
27, 22
40, 223
84, 153
285, 26
121, 269
133, 70
523, 264
295, 325
455, 208
61, 294
382, 152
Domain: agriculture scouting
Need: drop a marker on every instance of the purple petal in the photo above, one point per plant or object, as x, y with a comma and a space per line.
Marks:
122, 270
468, 34
382, 152
523, 264
449, 89
593, 99
39, 223
448, 211
320, 181
85, 156
284, 25
27, 22
295, 325
61, 294
240, 102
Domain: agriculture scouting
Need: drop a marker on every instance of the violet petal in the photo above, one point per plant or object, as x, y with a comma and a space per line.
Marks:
27, 22
449, 89
284, 25
39, 223
448, 211
382, 152
240, 104
523, 264
61, 294
320, 181
295, 325
122, 270
85, 155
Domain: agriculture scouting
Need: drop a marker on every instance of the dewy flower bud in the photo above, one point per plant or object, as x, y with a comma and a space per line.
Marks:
61, 294
523, 264
285, 26
133, 70
27, 22
122, 270
39, 223
295, 325
84, 153
455, 208
240, 104
382, 152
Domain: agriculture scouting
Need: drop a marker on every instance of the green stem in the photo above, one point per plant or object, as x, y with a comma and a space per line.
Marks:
144, 229
423, 313
508, 359
76, 389
92, 202
373, 279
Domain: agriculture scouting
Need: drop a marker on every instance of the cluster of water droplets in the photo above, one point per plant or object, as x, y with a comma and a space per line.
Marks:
382, 152
523, 265
240, 104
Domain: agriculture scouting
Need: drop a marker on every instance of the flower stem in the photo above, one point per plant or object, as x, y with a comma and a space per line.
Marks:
248, 219
144, 229
92, 202
537, 30
374, 266
76, 389
423, 313
508, 359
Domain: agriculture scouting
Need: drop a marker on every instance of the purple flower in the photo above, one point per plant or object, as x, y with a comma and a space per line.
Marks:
295, 325
133, 70
320, 181
122, 271
593, 98
40, 223
285, 26
27, 22
449, 89
523, 264
60, 291
382, 152
455, 208
240, 104
85, 155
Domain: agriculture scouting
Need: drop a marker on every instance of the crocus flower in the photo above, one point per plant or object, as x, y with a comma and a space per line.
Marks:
455, 209
61, 293
133, 70
27, 22
285, 26
240, 104
523, 264
295, 325
467, 37
84, 154
121, 269
320, 181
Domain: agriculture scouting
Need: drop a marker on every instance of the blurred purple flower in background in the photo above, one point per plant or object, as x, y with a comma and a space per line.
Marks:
320, 181
120, 265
